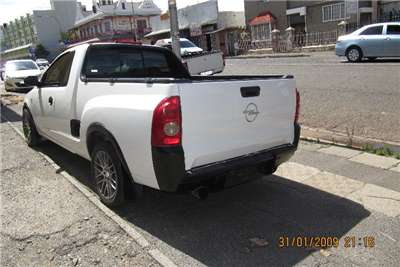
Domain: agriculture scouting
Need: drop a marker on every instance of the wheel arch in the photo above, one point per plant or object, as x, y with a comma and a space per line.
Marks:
97, 132
26, 106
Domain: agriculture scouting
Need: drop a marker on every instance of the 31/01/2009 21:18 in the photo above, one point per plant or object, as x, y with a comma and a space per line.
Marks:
326, 242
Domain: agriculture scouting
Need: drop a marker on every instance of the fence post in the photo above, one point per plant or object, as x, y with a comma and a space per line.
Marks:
275, 40
341, 28
289, 38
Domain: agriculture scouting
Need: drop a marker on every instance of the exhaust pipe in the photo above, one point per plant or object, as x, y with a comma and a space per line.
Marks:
200, 193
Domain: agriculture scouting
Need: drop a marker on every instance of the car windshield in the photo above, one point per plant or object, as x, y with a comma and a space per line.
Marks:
21, 65
186, 44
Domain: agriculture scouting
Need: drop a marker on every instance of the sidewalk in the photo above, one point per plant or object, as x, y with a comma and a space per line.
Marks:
269, 55
45, 221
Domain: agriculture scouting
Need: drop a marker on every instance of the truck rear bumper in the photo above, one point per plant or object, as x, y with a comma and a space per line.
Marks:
170, 170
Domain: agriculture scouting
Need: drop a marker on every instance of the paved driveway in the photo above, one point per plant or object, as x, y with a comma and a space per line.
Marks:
361, 99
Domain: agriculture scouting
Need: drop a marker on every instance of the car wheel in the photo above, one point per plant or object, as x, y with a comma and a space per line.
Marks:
108, 175
371, 58
32, 137
354, 54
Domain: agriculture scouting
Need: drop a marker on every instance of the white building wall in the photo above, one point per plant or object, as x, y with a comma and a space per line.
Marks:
48, 30
199, 14
231, 19
65, 12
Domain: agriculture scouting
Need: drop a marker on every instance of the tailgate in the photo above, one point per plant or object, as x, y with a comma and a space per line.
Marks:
224, 119
212, 62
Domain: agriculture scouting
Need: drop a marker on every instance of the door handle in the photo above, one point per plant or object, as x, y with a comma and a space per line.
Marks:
387, 38
250, 91
51, 100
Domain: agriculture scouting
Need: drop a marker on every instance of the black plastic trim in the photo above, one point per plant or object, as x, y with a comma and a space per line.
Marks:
169, 163
250, 91
75, 127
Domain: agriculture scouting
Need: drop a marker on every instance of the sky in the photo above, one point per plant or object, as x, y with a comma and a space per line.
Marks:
10, 9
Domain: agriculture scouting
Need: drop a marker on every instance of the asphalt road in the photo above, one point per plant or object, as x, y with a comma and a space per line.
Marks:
362, 99
214, 232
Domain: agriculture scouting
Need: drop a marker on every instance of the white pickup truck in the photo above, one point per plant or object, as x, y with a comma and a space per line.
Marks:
141, 119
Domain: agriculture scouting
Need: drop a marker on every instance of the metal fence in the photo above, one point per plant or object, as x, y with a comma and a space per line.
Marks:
315, 38
298, 40
390, 17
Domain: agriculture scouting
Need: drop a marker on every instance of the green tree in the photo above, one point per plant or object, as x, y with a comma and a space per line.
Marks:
41, 51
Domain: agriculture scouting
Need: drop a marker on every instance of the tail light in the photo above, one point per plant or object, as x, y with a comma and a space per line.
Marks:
297, 114
166, 128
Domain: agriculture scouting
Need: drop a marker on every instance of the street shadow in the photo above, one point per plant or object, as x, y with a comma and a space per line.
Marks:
378, 60
10, 114
217, 231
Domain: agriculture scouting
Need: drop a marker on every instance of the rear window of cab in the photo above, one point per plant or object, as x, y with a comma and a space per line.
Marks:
119, 61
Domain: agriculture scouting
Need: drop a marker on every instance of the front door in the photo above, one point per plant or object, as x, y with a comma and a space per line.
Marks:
392, 40
371, 41
55, 96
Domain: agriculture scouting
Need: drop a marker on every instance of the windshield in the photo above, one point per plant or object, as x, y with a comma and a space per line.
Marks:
186, 44
21, 65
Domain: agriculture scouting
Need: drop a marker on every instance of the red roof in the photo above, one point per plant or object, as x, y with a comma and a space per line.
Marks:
262, 18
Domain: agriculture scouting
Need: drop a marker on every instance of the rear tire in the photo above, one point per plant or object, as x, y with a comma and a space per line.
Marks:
354, 54
108, 175
32, 137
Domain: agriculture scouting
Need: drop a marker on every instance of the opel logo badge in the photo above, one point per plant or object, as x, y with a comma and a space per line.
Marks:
251, 112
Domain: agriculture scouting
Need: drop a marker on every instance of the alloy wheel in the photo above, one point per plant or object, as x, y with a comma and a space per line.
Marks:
354, 54
105, 175
26, 126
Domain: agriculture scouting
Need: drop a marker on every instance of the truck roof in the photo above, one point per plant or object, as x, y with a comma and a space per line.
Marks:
115, 44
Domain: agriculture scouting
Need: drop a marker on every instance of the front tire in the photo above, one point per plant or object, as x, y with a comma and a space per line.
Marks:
354, 54
108, 175
32, 137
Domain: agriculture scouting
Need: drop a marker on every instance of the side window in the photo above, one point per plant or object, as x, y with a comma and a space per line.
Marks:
393, 29
58, 72
114, 62
163, 64
376, 30
156, 64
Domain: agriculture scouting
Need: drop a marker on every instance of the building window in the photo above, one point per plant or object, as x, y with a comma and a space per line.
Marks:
261, 32
334, 12
123, 5
107, 26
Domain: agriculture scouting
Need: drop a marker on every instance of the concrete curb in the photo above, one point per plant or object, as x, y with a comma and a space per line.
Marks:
92, 197
269, 56
341, 139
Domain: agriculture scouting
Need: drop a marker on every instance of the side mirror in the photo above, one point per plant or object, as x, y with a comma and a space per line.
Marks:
32, 81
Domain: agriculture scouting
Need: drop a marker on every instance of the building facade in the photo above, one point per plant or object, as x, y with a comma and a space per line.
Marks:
204, 25
115, 20
19, 32
45, 27
315, 16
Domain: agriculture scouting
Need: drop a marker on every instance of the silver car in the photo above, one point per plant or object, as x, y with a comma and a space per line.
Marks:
371, 41
16, 71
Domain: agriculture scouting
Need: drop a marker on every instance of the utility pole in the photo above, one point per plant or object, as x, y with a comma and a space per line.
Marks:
173, 18
132, 21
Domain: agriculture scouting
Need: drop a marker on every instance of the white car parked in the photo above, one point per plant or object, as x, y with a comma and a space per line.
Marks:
141, 119
16, 71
